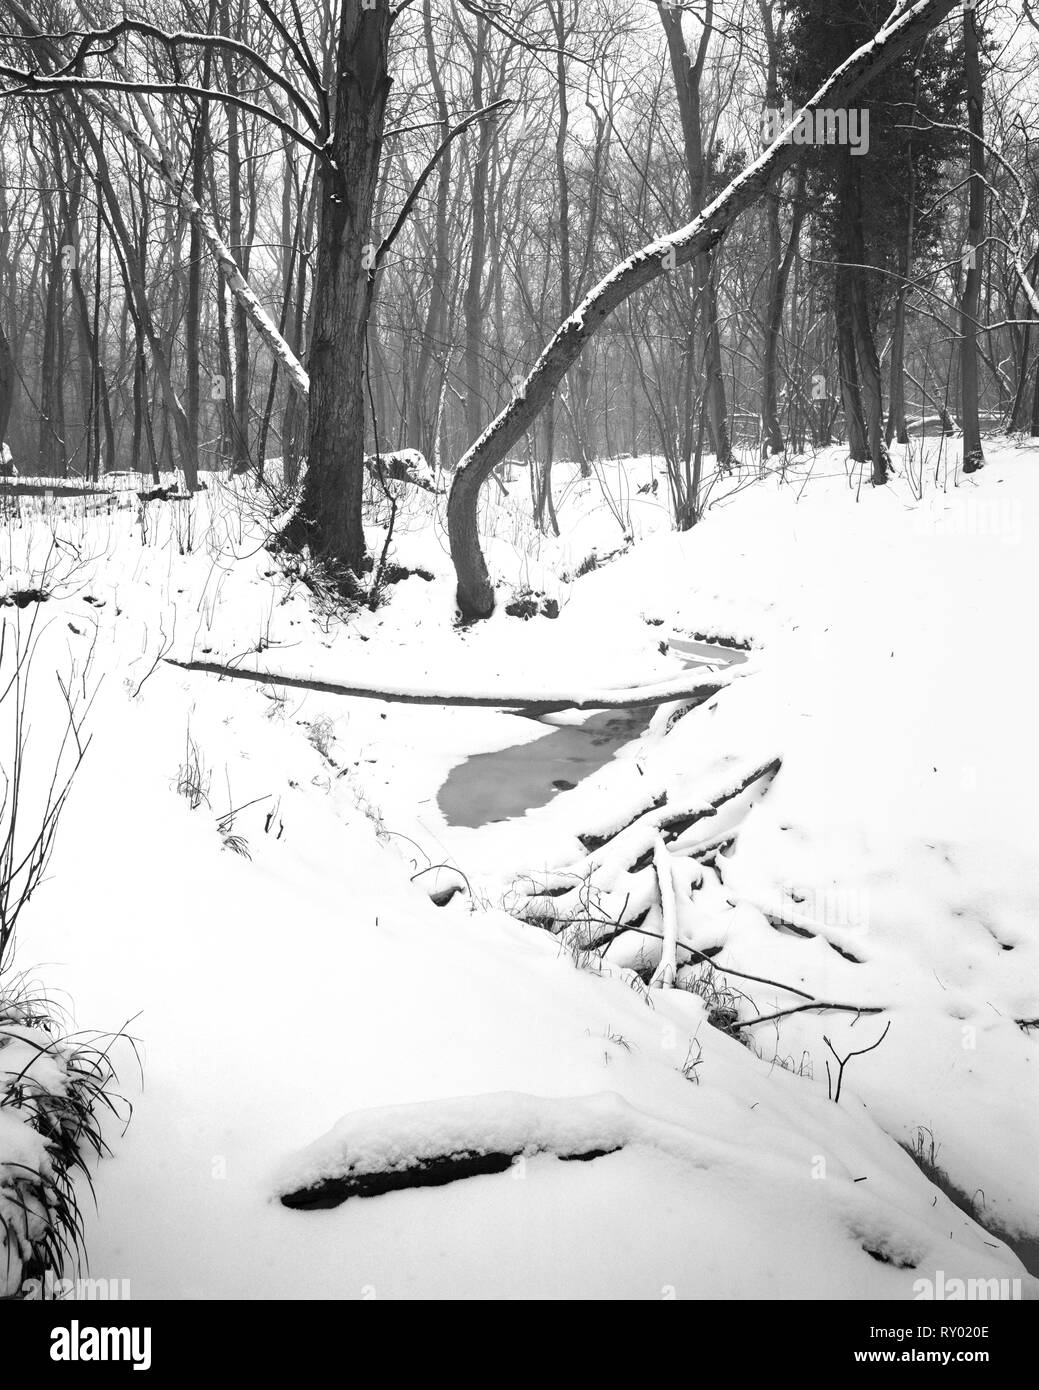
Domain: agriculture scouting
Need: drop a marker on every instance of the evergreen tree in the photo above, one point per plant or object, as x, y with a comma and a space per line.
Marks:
877, 206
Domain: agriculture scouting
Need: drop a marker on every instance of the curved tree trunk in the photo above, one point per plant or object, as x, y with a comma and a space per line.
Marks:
475, 591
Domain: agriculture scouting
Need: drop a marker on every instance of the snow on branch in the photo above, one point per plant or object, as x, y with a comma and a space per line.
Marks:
682, 687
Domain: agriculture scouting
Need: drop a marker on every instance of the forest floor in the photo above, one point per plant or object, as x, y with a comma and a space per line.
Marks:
245, 870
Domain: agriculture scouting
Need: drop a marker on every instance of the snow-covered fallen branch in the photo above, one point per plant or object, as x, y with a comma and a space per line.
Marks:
682, 687
436, 1142
631, 848
667, 970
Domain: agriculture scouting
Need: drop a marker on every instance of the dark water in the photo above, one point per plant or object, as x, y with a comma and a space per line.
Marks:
492, 787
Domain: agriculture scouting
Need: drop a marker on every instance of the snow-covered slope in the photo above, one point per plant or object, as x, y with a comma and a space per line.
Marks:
309, 993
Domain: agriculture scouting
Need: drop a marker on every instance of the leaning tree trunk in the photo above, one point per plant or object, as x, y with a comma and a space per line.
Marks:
973, 453
329, 518
475, 590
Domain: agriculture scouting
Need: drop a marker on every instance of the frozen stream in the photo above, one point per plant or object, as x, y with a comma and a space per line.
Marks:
496, 786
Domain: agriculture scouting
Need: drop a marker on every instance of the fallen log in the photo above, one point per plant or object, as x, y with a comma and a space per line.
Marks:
164, 494
427, 1172
430, 1143
533, 702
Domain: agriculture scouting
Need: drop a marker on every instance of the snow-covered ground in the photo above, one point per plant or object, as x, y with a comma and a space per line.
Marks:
300, 1003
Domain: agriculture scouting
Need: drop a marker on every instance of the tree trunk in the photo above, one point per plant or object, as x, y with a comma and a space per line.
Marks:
897, 428
7, 378
421, 418
472, 299
973, 453
659, 257
865, 344
714, 383
193, 307
896, 417
295, 418
687, 69
851, 397
329, 517
238, 381
133, 271
159, 161
779, 276
52, 453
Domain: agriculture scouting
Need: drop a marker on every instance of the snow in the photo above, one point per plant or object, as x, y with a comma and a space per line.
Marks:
307, 1009
410, 464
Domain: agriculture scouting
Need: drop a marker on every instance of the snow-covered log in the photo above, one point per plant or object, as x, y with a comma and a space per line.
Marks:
680, 687
434, 1142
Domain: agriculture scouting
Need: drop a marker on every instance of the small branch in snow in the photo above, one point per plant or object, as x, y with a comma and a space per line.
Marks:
723, 969
819, 1004
842, 1062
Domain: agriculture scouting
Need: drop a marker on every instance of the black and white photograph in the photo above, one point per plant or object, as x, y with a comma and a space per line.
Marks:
518, 734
